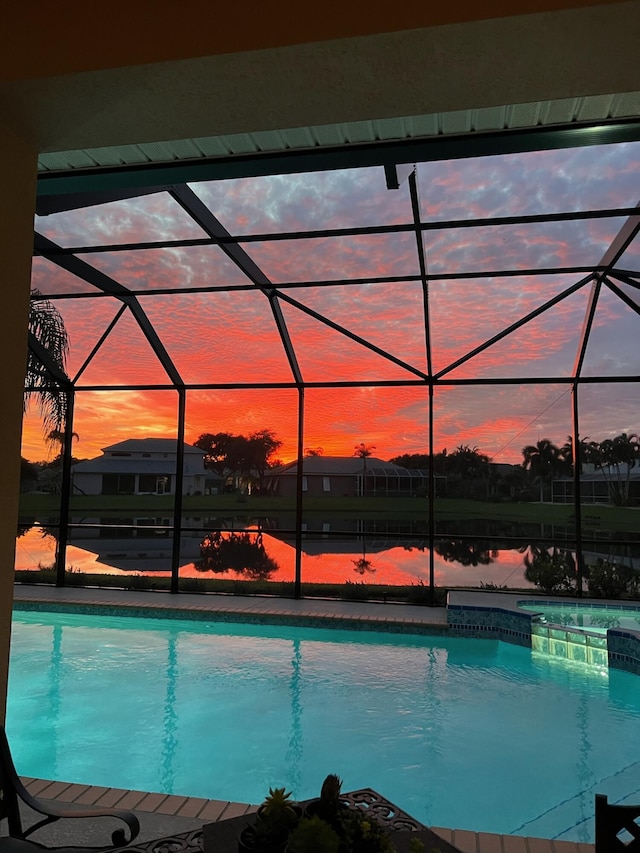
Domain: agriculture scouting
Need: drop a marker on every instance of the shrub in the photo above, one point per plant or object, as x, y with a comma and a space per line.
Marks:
611, 580
313, 835
355, 591
551, 572
419, 593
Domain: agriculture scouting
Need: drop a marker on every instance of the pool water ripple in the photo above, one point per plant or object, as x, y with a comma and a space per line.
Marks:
472, 734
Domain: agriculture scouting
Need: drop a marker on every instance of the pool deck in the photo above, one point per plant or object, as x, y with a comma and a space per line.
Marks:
163, 814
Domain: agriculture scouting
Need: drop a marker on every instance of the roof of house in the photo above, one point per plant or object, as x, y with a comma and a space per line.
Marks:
150, 445
345, 466
602, 477
506, 468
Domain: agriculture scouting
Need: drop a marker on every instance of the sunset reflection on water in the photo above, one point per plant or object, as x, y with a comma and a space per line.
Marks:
393, 565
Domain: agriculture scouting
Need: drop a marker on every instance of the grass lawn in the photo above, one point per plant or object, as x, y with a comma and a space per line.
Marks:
626, 519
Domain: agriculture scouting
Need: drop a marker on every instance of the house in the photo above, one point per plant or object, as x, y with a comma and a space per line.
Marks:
614, 484
348, 476
143, 466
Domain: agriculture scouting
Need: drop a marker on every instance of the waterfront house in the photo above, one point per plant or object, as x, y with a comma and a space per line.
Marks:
143, 466
349, 476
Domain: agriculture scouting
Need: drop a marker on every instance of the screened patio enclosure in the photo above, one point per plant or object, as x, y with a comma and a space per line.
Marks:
408, 300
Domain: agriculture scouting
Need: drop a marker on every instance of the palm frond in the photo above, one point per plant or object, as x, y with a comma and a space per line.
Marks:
47, 326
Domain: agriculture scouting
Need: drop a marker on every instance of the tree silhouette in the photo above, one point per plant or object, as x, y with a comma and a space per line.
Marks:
50, 476
243, 553
412, 460
363, 566
47, 327
57, 437
615, 457
214, 447
239, 457
464, 552
363, 451
609, 578
543, 460
565, 454
625, 452
552, 570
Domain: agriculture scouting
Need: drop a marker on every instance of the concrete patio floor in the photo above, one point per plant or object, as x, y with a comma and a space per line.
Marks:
160, 814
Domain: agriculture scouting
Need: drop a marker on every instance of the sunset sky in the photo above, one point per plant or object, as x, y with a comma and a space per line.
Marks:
230, 337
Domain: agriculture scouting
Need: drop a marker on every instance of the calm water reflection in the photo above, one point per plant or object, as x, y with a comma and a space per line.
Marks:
334, 550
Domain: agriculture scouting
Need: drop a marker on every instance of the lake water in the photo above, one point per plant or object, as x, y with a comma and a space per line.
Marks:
373, 550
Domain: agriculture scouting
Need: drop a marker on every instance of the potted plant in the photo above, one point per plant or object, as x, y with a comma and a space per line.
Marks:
361, 833
329, 805
278, 809
328, 825
357, 831
313, 835
275, 819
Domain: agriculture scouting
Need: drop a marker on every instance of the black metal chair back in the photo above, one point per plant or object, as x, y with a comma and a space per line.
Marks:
9, 809
617, 827
13, 792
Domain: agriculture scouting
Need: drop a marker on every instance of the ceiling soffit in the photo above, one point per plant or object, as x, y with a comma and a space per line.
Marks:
80, 178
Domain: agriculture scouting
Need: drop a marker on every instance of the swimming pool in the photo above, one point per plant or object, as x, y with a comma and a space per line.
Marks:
592, 617
471, 734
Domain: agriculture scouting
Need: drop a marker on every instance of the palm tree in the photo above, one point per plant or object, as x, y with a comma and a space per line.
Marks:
57, 437
543, 460
622, 453
363, 451
585, 450
615, 457
48, 341
51, 474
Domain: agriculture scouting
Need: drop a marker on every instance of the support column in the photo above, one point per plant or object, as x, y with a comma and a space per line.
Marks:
17, 206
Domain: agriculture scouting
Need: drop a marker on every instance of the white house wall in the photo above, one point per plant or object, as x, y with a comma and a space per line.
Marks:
87, 484
91, 484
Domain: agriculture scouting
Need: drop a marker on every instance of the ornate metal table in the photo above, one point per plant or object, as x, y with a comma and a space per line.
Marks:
222, 836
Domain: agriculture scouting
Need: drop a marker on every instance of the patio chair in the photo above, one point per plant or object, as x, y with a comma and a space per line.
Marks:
617, 827
12, 792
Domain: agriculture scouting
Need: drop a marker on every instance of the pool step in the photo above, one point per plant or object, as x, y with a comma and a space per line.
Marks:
573, 645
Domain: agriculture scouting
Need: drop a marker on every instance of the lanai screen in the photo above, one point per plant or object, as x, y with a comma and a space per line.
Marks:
468, 326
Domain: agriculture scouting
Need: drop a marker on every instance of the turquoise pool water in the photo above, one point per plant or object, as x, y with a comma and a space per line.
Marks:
472, 734
597, 619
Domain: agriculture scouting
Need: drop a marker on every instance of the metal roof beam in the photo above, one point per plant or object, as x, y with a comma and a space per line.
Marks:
48, 249
47, 204
617, 248
512, 328
209, 223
